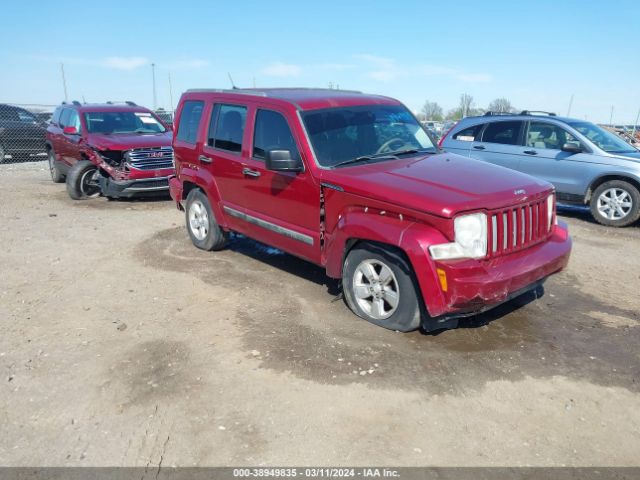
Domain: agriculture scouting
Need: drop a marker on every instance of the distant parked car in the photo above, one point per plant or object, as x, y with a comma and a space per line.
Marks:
21, 134
114, 150
586, 163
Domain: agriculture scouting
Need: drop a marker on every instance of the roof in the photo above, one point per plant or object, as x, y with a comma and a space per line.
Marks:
105, 107
307, 98
520, 116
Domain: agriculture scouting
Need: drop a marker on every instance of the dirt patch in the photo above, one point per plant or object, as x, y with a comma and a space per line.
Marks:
290, 317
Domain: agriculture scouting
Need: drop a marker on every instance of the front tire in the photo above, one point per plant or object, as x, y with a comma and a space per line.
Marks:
56, 175
82, 182
204, 231
379, 287
615, 203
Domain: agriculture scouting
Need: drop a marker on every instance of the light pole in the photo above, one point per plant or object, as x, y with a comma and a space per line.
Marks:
153, 76
611, 117
64, 83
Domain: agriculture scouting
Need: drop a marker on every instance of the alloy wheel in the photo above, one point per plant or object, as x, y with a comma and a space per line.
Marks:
614, 203
198, 220
376, 289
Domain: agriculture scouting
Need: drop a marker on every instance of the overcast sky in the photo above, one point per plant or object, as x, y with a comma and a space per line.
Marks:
535, 53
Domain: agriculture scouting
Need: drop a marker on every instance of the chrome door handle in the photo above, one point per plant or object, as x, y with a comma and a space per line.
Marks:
250, 173
205, 159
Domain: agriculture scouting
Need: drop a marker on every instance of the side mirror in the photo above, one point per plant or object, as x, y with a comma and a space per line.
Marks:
281, 161
571, 147
70, 131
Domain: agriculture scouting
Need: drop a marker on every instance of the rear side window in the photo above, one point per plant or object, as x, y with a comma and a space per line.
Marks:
507, 133
64, 117
189, 121
229, 121
469, 134
272, 132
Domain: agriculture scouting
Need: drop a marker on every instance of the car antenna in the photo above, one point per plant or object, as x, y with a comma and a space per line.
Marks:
231, 80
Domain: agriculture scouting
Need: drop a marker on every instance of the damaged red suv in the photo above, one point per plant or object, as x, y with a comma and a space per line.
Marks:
353, 183
115, 150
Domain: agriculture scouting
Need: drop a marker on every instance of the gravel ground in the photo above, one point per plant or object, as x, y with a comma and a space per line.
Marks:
123, 345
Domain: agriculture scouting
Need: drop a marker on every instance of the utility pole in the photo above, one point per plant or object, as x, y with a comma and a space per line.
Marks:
570, 105
64, 83
611, 117
153, 77
170, 93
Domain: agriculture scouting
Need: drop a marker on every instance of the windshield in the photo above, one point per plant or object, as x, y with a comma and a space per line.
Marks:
603, 139
342, 134
122, 122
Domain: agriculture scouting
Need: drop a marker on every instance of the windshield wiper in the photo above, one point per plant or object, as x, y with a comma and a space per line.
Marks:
365, 158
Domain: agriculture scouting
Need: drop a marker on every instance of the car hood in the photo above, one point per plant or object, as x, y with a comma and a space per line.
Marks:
442, 184
126, 142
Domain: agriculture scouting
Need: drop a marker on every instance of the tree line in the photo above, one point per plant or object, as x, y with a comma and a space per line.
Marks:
466, 107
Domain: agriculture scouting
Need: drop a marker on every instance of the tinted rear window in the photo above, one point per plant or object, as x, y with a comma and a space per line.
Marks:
507, 133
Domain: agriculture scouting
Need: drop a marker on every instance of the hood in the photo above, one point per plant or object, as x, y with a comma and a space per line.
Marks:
128, 141
442, 184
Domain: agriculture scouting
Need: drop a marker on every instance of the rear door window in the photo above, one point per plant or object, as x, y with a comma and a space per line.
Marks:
228, 122
190, 121
506, 133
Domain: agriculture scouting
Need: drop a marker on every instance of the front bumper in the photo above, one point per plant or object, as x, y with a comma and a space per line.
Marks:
146, 187
474, 286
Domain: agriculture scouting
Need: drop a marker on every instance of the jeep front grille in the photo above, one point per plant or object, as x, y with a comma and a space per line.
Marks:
150, 158
516, 228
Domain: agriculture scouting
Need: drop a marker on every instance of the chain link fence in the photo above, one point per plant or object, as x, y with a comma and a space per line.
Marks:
23, 129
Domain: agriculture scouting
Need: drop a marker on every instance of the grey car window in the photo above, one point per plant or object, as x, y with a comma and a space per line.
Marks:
507, 133
548, 135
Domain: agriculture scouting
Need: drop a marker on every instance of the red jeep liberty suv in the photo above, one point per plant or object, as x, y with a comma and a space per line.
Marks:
353, 183
117, 150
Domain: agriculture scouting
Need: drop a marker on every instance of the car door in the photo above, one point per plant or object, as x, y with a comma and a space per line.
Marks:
73, 142
59, 140
542, 156
500, 143
223, 153
284, 206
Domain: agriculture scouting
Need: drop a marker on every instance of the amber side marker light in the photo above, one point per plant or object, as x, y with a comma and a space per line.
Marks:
442, 275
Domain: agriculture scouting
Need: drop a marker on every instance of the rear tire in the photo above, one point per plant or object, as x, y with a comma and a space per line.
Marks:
204, 231
379, 286
56, 175
615, 203
81, 181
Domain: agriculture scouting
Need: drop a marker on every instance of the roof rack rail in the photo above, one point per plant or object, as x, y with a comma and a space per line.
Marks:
127, 102
532, 112
490, 113
76, 102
